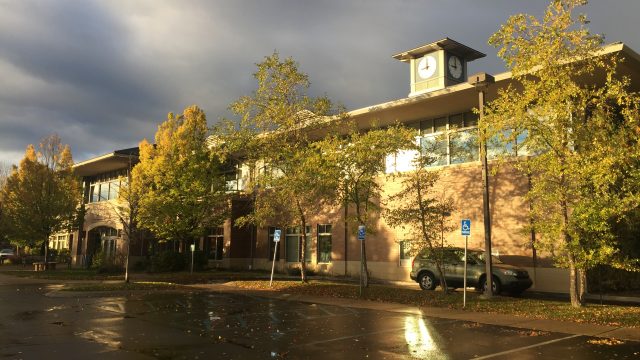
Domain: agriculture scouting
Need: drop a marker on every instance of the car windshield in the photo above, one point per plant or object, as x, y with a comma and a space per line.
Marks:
480, 256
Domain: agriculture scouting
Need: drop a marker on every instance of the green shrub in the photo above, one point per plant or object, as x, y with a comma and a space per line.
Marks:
200, 261
295, 271
141, 265
167, 261
607, 279
107, 264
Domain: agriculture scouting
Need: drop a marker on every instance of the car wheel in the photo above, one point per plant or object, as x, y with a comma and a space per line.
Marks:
427, 281
495, 285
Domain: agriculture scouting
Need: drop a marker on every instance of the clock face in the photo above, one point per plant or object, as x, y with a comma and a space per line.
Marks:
455, 67
427, 67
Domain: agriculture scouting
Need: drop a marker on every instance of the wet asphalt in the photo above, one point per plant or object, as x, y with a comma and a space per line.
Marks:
37, 324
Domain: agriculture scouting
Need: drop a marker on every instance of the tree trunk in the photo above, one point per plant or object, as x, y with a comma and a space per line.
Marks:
303, 252
582, 289
303, 243
46, 253
365, 273
346, 237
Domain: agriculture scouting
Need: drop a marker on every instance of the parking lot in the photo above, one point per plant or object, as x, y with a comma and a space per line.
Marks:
196, 325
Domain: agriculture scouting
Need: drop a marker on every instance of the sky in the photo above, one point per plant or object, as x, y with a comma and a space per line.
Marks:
104, 74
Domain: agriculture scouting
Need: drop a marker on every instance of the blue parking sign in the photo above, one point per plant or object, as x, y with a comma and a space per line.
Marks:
466, 227
361, 232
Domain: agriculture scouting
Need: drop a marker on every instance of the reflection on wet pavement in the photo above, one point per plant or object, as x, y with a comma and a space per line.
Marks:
197, 325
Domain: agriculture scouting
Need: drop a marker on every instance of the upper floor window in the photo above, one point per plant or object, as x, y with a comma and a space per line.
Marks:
103, 187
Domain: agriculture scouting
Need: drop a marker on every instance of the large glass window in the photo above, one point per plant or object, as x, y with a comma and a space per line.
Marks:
436, 147
405, 259
114, 189
463, 145
94, 193
215, 243
293, 240
450, 140
104, 186
324, 243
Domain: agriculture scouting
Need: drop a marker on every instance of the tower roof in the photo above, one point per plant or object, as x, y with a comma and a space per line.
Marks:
447, 44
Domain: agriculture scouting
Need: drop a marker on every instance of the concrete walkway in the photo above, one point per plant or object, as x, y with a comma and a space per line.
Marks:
622, 333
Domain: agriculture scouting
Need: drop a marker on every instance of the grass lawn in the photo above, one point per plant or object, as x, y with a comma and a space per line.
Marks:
63, 274
530, 308
184, 277
613, 315
122, 286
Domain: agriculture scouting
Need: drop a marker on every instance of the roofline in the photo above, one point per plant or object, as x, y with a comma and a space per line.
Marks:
504, 76
116, 153
441, 44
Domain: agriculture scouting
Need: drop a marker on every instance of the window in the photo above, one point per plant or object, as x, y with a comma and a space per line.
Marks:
114, 189
104, 187
464, 146
435, 146
451, 140
405, 259
324, 243
215, 244
272, 245
94, 193
104, 192
293, 243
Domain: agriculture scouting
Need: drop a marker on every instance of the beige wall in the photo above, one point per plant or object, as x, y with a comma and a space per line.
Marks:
509, 215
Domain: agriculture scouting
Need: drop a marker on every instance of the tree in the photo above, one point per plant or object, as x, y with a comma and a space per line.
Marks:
41, 196
181, 189
5, 172
359, 158
583, 136
419, 208
279, 133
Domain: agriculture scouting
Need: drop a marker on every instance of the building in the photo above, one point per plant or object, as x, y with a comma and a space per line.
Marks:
440, 101
102, 228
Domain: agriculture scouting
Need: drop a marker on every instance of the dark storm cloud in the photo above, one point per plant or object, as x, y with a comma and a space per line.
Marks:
103, 74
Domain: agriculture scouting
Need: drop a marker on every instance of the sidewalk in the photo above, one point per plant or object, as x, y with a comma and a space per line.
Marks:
622, 333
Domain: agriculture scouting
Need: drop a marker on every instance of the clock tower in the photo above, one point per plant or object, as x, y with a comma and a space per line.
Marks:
438, 65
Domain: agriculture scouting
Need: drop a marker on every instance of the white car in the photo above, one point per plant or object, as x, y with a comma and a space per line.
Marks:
6, 253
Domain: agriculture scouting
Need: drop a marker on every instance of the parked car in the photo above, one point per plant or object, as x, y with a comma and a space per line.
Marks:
6, 254
505, 277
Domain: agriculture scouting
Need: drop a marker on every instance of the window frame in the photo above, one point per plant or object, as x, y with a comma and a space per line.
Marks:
324, 230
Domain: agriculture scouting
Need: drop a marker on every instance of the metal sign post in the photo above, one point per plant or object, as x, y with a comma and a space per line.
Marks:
276, 239
361, 233
466, 231
193, 250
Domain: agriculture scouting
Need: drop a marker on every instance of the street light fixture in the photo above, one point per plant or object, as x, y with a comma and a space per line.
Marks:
481, 82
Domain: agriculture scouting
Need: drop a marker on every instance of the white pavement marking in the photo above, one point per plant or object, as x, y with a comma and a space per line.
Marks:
525, 347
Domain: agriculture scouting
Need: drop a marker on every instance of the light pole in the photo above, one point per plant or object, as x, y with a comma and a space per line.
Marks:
481, 81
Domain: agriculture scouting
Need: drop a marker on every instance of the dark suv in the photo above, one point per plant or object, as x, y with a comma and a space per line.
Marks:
505, 277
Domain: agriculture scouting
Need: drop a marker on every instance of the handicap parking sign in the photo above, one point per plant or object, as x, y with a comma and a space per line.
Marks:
361, 232
466, 227
276, 235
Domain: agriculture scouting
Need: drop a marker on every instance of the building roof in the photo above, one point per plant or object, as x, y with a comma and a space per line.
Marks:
116, 160
462, 97
447, 44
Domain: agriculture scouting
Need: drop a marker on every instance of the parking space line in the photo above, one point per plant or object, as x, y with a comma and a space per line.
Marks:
525, 347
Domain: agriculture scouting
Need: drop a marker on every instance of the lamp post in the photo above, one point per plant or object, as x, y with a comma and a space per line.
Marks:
481, 82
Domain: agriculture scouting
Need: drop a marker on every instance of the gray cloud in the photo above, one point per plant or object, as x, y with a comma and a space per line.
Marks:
103, 74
